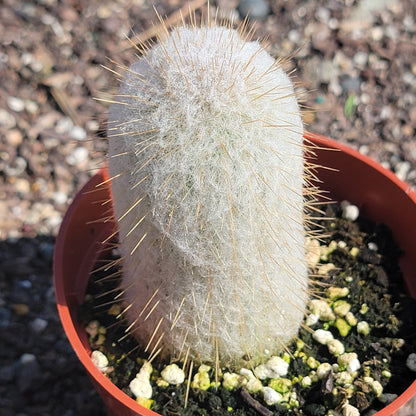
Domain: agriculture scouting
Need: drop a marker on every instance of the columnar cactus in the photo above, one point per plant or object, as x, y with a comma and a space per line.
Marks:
206, 160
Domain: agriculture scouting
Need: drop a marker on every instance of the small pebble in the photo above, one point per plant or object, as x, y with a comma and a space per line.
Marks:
402, 169
349, 83
64, 125
25, 284
372, 246
14, 137
387, 398
377, 33
99, 360
39, 325
16, 104
323, 14
360, 59
20, 309
294, 36
271, 396
92, 125
60, 198
31, 106
78, 156
16, 167
29, 373
78, 133
27, 358
6, 119
255, 9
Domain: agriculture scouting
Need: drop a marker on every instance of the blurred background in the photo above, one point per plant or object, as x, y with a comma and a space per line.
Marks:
356, 59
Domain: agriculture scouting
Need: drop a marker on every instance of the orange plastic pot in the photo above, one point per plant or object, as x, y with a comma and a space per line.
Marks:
379, 194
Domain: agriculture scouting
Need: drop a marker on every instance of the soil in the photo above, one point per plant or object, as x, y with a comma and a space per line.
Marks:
373, 278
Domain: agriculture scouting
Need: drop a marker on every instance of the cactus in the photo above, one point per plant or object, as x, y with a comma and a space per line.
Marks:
206, 159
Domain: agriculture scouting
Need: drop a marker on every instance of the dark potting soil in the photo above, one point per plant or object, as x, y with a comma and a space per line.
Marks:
374, 280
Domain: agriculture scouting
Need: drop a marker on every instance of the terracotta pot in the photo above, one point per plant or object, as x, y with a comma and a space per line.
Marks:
380, 195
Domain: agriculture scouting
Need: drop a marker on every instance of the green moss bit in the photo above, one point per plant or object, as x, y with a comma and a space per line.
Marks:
201, 379
281, 385
354, 251
364, 309
162, 383
115, 310
147, 403
300, 345
342, 326
327, 250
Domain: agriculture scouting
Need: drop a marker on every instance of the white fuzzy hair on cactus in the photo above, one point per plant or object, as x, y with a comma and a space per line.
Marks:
206, 158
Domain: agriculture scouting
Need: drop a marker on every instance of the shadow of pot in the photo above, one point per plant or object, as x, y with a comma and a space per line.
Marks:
379, 194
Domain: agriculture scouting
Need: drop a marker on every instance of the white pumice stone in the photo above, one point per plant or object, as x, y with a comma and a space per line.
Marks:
377, 388
363, 328
262, 372
312, 319
306, 381
271, 396
344, 359
349, 410
372, 246
335, 347
322, 309
323, 370
254, 385
354, 365
277, 367
99, 360
140, 386
248, 374
350, 212
173, 374
344, 378
322, 336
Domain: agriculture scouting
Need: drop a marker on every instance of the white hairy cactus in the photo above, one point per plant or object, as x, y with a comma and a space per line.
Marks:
207, 172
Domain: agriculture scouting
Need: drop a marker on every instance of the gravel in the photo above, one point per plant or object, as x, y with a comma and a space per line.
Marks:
355, 57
